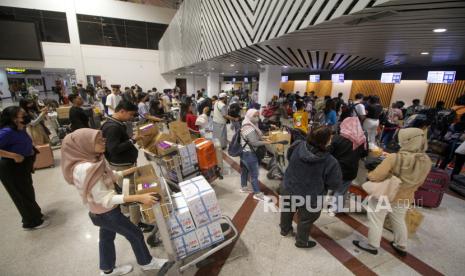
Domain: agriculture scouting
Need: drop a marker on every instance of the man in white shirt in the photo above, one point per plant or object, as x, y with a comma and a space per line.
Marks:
113, 99
359, 107
166, 102
220, 117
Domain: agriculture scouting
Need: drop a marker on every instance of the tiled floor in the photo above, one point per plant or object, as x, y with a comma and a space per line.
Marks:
70, 245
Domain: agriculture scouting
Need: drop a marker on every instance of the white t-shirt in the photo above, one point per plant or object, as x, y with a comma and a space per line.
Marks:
220, 110
360, 108
112, 102
142, 110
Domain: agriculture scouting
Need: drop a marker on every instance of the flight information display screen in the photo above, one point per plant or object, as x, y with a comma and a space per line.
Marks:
391, 77
337, 78
441, 77
314, 78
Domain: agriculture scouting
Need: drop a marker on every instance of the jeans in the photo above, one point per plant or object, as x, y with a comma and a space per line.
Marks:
387, 135
305, 223
249, 165
371, 127
113, 222
340, 193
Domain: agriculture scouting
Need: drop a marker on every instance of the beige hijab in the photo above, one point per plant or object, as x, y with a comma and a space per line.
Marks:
412, 161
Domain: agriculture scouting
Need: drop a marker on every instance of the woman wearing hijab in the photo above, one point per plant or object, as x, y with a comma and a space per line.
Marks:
252, 138
84, 166
411, 164
348, 148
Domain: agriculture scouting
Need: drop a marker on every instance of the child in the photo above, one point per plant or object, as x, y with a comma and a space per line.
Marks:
300, 117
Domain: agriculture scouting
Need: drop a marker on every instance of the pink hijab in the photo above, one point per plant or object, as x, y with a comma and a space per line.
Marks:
247, 121
352, 130
79, 147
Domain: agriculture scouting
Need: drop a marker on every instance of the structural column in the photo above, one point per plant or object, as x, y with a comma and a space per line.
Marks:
213, 84
75, 41
269, 83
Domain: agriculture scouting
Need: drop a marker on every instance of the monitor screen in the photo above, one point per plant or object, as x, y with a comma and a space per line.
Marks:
337, 78
314, 78
284, 78
233, 79
246, 79
441, 77
391, 77
20, 41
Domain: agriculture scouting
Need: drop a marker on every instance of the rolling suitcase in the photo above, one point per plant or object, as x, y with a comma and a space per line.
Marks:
431, 192
458, 184
44, 157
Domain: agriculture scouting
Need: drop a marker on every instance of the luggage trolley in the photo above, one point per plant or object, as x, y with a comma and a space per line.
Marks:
176, 266
171, 169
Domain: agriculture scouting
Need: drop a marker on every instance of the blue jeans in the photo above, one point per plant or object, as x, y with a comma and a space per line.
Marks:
387, 135
113, 222
340, 193
249, 167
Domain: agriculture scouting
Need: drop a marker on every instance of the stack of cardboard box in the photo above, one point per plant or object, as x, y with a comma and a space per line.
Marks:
196, 206
147, 181
188, 155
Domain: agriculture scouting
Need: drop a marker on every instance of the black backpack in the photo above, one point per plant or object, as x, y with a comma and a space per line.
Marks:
206, 102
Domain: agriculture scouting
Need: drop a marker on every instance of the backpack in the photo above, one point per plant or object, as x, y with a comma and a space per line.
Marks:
235, 148
234, 110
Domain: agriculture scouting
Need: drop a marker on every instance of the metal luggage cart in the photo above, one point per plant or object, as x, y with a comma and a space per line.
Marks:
176, 266
170, 167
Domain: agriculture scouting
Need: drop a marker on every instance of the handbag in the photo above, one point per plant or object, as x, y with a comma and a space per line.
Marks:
389, 187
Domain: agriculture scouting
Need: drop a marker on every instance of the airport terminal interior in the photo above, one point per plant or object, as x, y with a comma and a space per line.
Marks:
232, 137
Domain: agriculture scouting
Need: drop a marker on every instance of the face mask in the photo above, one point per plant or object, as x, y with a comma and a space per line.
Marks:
26, 120
255, 120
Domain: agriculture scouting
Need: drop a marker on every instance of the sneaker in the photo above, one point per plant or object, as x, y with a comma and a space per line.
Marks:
119, 270
246, 190
259, 197
45, 223
369, 250
154, 264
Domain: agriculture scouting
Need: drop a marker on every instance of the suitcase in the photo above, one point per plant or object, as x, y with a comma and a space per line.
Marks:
458, 184
44, 158
431, 192
206, 153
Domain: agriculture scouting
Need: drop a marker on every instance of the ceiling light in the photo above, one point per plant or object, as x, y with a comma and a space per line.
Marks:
237, 71
424, 53
213, 68
332, 61
222, 73
232, 65
192, 72
259, 59
179, 74
441, 30
285, 66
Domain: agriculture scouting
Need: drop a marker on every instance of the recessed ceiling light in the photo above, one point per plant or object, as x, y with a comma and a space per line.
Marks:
259, 59
192, 72
222, 73
232, 65
424, 53
179, 74
441, 30
237, 71
332, 61
213, 68
285, 66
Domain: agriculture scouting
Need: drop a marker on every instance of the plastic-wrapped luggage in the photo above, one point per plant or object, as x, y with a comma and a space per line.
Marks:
206, 153
44, 158
431, 192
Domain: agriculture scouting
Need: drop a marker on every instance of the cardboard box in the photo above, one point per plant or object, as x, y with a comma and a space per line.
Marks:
63, 112
209, 234
165, 147
188, 154
180, 131
161, 137
146, 181
186, 245
201, 200
276, 136
216, 232
180, 221
147, 132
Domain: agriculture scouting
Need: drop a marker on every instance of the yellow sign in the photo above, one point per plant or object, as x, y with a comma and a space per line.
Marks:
16, 70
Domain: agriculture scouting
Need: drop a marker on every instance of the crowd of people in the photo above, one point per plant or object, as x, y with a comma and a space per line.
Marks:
336, 135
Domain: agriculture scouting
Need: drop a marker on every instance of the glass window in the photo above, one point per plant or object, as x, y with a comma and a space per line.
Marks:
56, 30
90, 33
136, 37
114, 35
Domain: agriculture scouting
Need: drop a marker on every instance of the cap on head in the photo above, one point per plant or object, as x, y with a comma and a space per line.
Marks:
222, 95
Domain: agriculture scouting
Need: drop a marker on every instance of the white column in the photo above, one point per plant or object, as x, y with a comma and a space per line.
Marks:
4, 84
75, 42
213, 84
269, 83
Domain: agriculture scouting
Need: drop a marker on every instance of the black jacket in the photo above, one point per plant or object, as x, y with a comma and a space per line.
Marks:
342, 149
78, 118
119, 148
310, 171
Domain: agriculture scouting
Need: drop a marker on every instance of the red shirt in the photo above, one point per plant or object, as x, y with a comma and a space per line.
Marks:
190, 120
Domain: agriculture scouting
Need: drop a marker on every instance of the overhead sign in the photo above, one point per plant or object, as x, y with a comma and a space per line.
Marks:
337, 78
441, 77
314, 78
284, 78
391, 77
14, 71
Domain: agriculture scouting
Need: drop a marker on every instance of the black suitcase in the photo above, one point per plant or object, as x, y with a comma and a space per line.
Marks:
458, 184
